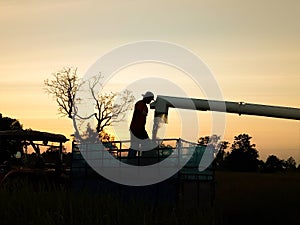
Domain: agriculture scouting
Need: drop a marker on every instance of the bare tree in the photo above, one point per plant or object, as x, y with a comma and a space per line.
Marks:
63, 88
109, 107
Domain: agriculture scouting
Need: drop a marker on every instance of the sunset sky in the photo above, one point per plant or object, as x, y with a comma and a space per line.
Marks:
252, 48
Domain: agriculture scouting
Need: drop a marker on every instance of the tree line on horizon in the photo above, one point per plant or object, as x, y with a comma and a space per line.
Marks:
242, 154
244, 157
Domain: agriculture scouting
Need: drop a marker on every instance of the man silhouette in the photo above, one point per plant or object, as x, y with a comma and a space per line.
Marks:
138, 132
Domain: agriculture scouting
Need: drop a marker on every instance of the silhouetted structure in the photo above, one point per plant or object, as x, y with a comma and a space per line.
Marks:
188, 186
31, 137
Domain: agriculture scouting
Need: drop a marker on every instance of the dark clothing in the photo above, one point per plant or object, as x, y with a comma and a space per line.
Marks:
138, 122
137, 128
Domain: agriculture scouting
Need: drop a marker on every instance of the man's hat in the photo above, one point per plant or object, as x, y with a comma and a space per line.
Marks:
148, 94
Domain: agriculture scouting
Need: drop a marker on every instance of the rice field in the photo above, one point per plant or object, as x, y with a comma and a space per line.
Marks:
257, 198
241, 198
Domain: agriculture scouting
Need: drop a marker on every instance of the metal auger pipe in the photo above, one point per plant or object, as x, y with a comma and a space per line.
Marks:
163, 103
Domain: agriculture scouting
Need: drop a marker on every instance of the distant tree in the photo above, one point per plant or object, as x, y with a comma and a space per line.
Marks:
273, 164
290, 164
90, 135
219, 146
9, 147
63, 88
213, 141
243, 155
221, 155
106, 137
7, 123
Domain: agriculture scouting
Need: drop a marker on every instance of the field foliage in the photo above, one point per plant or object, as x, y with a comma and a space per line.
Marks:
241, 198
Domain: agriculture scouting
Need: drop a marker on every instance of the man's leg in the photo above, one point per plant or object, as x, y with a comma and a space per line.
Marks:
134, 146
131, 153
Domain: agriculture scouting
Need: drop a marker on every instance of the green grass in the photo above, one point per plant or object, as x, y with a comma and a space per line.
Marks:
241, 198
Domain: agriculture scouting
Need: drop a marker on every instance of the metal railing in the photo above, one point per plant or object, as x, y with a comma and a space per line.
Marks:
180, 153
